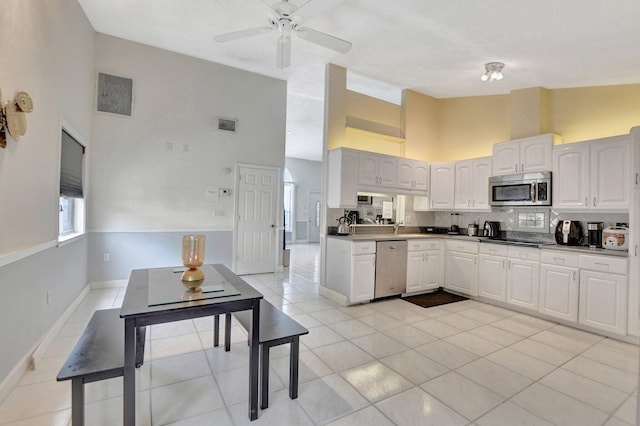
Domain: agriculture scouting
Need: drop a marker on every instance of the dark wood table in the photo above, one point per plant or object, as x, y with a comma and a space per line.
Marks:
137, 313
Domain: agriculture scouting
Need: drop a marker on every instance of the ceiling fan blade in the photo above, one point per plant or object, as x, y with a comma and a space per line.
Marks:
235, 35
284, 51
313, 8
323, 39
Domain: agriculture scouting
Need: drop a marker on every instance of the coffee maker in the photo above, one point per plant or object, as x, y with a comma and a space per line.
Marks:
594, 232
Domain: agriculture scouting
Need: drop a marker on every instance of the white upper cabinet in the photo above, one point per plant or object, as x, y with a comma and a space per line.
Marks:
610, 173
594, 175
571, 181
442, 185
342, 187
376, 169
413, 175
471, 184
523, 155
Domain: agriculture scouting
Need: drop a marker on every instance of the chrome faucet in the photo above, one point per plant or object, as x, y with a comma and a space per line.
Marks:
395, 227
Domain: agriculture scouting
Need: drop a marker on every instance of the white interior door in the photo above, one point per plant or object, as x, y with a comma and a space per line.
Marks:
314, 217
257, 220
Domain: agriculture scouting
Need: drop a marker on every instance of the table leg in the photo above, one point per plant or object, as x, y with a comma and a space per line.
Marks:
294, 354
264, 376
129, 379
77, 401
216, 330
227, 332
254, 361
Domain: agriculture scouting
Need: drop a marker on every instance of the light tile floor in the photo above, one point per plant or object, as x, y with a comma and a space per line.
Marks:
384, 363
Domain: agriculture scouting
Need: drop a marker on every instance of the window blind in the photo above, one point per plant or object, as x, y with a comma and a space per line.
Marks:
71, 167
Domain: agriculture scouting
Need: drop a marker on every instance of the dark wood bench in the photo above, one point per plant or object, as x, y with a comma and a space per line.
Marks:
276, 328
98, 355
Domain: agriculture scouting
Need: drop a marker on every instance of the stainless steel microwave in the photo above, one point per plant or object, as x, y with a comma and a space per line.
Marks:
524, 189
365, 199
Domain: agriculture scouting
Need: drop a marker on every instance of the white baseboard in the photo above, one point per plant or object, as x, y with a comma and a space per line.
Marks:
334, 295
33, 357
51, 334
108, 284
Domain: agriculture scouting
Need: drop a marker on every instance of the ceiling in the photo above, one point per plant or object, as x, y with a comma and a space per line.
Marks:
437, 48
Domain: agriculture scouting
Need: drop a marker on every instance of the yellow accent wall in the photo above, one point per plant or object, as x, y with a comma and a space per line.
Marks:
468, 127
586, 113
451, 129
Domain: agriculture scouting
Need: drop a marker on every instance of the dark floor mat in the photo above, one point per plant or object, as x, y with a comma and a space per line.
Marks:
438, 297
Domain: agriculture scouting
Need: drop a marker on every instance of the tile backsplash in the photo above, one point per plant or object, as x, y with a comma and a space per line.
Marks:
508, 219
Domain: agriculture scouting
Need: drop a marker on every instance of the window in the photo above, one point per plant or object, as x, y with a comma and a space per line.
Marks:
289, 190
71, 211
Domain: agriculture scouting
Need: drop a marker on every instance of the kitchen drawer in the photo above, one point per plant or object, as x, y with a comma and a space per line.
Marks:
462, 246
556, 257
604, 264
494, 249
422, 245
524, 253
364, 247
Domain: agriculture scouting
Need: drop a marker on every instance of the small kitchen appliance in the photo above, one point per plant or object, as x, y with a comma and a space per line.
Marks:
569, 232
523, 189
594, 232
472, 229
491, 229
616, 237
344, 227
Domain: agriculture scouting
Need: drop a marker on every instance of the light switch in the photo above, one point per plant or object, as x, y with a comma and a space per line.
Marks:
212, 193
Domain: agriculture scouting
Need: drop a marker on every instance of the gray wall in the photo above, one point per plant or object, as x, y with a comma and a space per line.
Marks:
135, 250
307, 176
141, 196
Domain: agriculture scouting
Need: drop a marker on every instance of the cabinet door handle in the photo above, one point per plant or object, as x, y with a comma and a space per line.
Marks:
516, 168
635, 251
637, 178
594, 202
503, 263
474, 203
586, 202
522, 168
574, 276
469, 203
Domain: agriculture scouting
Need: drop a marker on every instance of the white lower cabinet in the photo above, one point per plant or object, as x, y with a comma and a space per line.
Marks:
523, 276
351, 269
363, 278
603, 293
461, 273
559, 285
492, 272
424, 265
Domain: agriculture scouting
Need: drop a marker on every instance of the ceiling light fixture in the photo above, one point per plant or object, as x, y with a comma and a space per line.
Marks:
492, 71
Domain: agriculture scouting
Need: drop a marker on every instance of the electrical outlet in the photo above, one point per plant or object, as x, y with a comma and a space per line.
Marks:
107, 257
49, 296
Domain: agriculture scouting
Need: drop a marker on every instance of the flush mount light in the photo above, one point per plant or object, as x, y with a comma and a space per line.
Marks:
492, 71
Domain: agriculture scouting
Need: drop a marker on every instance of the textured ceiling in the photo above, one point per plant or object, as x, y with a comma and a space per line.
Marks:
434, 47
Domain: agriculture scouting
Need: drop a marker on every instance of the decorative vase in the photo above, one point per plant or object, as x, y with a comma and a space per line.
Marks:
192, 258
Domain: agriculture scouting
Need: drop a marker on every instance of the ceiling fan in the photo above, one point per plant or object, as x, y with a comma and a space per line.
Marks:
286, 18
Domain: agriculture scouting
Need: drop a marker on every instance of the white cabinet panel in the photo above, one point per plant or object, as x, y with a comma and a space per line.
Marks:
482, 168
342, 187
376, 170
442, 185
571, 180
523, 282
462, 273
559, 292
525, 155
492, 277
463, 185
603, 301
413, 175
424, 265
363, 278
593, 175
610, 173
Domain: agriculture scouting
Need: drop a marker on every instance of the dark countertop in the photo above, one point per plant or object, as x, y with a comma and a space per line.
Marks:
540, 245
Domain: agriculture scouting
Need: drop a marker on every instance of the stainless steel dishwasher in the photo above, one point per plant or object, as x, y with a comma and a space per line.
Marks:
391, 268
